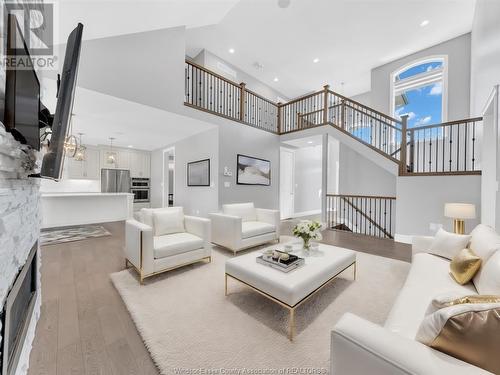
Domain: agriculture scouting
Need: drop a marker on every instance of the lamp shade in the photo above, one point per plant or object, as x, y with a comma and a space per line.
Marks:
460, 210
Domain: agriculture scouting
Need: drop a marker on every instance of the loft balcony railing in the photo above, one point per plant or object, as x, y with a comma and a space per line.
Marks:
448, 148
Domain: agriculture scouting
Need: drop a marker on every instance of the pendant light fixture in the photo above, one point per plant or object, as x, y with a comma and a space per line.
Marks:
111, 155
70, 143
70, 146
80, 152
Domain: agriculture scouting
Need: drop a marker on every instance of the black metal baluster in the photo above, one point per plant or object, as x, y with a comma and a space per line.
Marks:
473, 144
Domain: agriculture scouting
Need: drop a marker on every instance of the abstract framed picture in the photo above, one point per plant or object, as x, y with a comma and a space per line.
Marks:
253, 171
198, 173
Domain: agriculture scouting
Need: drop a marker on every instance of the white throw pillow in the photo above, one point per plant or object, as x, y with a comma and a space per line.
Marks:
433, 324
447, 245
487, 279
246, 211
442, 300
168, 220
485, 241
146, 215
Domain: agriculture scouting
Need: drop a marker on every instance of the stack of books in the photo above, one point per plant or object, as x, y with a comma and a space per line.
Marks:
278, 263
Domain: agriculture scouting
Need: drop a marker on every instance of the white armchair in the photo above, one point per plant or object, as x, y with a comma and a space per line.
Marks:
241, 226
162, 239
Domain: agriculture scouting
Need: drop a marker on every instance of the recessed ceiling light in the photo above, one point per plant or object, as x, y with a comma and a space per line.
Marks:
130, 146
424, 23
284, 3
231, 50
275, 79
316, 60
310, 142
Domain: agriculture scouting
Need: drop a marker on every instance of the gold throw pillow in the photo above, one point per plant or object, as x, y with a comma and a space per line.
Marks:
470, 332
464, 266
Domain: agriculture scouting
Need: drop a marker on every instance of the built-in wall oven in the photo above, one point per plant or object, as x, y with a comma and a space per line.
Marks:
140, 188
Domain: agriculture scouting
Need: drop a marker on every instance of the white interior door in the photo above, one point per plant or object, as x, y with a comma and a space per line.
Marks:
287, 166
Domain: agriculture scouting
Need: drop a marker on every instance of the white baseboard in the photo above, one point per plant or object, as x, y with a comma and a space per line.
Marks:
404, 238
306, 213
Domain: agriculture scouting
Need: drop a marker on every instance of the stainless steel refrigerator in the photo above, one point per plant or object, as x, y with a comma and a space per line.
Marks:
115, 181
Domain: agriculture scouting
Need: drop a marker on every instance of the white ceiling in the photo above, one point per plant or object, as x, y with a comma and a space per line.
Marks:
101, 116
350, 37
105, 18
312, 141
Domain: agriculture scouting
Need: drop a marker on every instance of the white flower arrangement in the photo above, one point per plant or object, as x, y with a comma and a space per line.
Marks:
308, 230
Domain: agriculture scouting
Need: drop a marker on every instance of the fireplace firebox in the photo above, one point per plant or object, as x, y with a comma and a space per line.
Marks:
17, 312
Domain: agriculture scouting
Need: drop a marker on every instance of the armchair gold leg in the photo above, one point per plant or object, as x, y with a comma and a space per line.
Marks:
355, 270
225, 285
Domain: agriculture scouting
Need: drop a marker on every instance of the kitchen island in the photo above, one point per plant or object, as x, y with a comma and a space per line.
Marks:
66, 209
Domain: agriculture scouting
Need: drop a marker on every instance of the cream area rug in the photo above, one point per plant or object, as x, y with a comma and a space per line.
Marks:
188, 325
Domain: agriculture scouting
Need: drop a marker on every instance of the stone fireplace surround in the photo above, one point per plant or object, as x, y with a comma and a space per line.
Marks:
19, 229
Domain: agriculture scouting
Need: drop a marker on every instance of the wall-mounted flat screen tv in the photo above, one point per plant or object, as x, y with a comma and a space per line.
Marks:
22, 90
52, 163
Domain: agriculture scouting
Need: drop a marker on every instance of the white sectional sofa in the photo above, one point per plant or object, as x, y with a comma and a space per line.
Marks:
158, 243
241, 226
361, 347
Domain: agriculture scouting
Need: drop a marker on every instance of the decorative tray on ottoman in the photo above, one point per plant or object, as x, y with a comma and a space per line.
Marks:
276, 261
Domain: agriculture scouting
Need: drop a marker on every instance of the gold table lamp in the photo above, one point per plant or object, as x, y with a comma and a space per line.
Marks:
459, 212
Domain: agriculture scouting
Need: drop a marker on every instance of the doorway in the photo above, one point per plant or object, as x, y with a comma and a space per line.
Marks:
168, 197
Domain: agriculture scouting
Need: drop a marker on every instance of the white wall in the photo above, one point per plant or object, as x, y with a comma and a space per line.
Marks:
364, 98
485, 53
490, 195
333, 165
146, 68
213, 63
308, 174
459, 56
196, 200
359, 175
236, 139
420, 202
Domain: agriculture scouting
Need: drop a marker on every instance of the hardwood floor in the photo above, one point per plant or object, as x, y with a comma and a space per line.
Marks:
371, 245
84, 327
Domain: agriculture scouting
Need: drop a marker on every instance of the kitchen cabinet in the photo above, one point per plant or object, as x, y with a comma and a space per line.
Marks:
139, 164
84, 169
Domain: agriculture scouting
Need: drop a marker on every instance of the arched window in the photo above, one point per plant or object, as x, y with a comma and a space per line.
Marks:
419, 90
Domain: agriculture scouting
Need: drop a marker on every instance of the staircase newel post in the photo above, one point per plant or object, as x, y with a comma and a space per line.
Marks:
403, 153
326, 89
242, 101
280, 126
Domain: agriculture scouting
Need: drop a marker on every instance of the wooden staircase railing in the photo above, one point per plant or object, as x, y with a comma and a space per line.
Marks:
362, 214
441, 149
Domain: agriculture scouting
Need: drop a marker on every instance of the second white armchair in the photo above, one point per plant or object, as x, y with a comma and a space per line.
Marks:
241, 226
